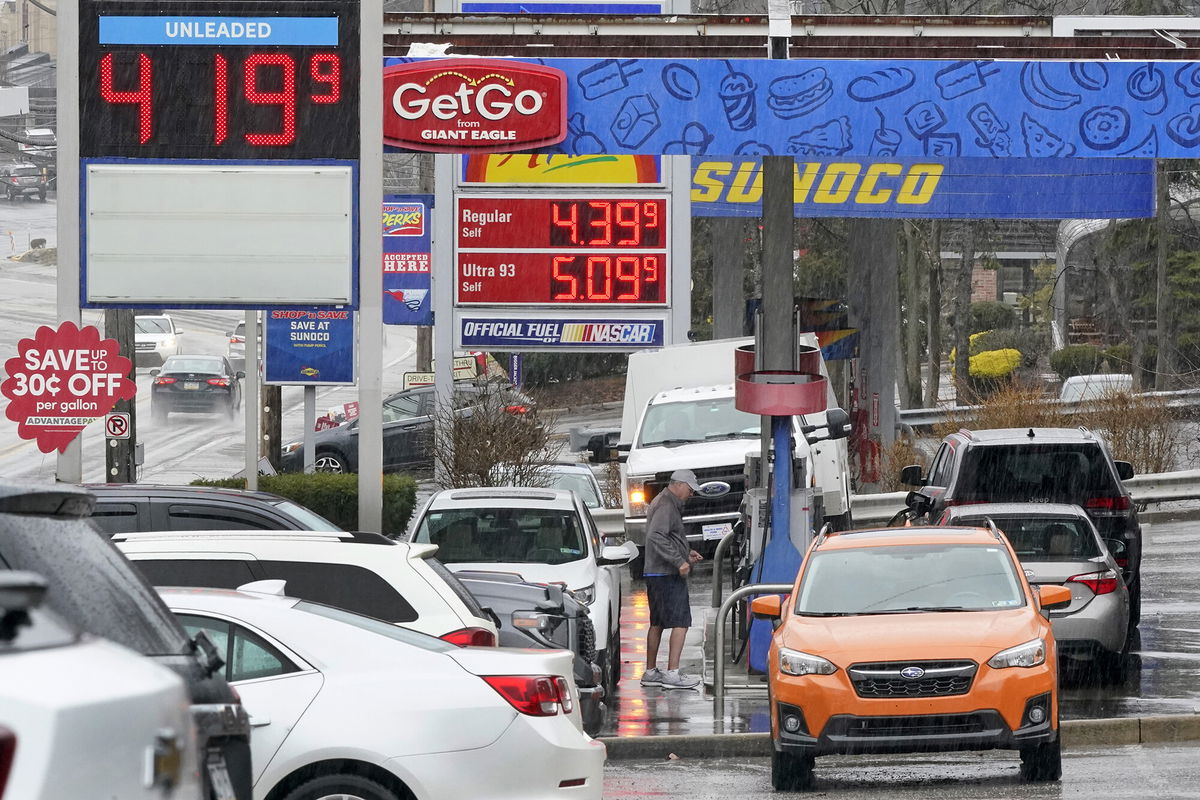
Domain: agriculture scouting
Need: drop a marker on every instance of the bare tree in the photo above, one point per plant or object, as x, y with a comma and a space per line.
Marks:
493, 438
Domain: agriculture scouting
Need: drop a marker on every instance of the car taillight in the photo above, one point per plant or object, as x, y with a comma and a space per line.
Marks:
535, 695
1122, 562
470, 637
161, 381
1099, 582
8, 749
964, 502
236, 339
1108, 504
517, 409
218, 381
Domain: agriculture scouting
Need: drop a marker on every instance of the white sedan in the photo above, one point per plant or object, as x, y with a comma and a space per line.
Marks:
345, 705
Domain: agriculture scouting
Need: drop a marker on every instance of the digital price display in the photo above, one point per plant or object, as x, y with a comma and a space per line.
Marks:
562, 251
237, 79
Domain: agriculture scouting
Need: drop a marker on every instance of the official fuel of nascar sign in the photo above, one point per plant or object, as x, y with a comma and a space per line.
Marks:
581, 271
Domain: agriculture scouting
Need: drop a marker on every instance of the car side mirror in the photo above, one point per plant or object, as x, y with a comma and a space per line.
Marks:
210, 658
1124, 470
1053, 597
155, 371
614, 556
178, 331
602, 447
918, 503
1116, 547
911, 475
838, 422
240, 374
767, 607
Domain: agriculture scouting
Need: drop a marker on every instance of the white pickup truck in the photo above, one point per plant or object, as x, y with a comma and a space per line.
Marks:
679, 413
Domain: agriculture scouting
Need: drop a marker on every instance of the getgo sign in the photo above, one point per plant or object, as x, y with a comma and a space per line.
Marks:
61, 380
487, 105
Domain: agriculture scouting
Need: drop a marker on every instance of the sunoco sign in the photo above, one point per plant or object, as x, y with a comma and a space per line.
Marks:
452, 105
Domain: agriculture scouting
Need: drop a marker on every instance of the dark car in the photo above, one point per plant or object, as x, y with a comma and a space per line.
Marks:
407, 429
1036, 465
544, 616
91, 585
139, 507
195, 384
23, 180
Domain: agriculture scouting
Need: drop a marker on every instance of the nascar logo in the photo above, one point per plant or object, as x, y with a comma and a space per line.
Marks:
830, 183
609, 333
406, 219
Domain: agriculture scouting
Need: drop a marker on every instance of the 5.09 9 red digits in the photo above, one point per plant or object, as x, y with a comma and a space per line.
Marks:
325, 78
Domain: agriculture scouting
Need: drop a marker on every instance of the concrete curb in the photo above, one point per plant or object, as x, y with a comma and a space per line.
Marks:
1075, 733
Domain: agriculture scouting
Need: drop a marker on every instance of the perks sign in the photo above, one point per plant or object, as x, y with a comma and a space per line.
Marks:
61, 380
449, 105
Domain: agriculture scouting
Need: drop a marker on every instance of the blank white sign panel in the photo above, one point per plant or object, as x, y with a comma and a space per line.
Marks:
243, 235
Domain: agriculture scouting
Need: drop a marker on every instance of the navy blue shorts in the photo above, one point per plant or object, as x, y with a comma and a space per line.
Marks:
667, 596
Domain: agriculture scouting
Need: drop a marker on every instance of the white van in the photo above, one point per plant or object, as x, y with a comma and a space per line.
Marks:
1093, 387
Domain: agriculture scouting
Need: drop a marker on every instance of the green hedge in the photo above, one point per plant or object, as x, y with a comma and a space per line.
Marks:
1031, 344
1076, 359
987, 315
335, 497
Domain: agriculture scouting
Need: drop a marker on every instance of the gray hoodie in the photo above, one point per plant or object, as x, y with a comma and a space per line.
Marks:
666, 545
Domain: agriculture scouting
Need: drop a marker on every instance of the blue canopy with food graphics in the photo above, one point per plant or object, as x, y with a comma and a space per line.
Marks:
852, 108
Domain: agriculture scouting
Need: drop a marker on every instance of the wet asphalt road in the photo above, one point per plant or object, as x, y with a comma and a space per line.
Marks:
1165, 674
1119, 773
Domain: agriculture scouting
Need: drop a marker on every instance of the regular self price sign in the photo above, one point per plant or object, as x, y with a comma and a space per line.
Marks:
566, 252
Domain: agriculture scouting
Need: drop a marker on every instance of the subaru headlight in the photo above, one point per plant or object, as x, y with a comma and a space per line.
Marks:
536, 620
1030, 654
292, 447
794, 662
585, 595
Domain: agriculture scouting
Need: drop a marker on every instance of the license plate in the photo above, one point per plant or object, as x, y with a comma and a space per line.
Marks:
218, 776
716, 530
191, 385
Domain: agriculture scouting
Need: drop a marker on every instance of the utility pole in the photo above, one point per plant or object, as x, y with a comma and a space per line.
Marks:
119, 464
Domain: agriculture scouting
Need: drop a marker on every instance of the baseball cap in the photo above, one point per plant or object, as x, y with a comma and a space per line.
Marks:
686, 476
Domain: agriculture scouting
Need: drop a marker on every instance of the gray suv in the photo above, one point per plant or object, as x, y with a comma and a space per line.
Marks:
23, 180
1036, 465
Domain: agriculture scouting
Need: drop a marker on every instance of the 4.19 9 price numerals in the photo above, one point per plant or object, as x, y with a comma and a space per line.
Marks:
275, 70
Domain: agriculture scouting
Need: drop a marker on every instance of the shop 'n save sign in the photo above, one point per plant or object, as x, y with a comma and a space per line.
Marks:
455, 105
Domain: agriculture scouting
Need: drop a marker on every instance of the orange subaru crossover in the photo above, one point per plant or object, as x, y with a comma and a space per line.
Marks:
904, 640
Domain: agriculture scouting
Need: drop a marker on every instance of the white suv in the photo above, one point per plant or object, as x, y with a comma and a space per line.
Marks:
361, 572
82, 717
545, 536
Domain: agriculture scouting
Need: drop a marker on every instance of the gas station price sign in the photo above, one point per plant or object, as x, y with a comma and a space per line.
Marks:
562, 251
236, 79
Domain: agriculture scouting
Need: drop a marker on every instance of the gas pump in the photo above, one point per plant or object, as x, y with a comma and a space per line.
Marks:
779, 510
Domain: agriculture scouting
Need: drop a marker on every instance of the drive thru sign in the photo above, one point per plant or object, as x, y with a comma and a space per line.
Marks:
61, 380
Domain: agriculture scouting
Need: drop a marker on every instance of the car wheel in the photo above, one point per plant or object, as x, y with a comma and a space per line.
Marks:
791, 773
341, 787
329, 461
1135, 604
613, 657
1042, 762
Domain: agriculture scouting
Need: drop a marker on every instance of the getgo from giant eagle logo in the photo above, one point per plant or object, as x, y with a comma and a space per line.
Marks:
455, 106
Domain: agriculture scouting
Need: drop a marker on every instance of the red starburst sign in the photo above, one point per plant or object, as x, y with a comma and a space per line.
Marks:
61, 380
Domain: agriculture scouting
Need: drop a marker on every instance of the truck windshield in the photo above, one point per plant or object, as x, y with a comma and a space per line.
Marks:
691, 421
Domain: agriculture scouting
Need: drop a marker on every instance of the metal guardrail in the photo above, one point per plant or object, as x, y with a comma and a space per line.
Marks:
1162, 487
928, 417
719, 634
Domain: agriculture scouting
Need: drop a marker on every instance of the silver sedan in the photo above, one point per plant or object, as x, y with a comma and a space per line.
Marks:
1059, 545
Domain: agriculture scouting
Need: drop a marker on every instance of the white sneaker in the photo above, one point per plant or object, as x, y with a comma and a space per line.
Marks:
676, 679
652, 677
